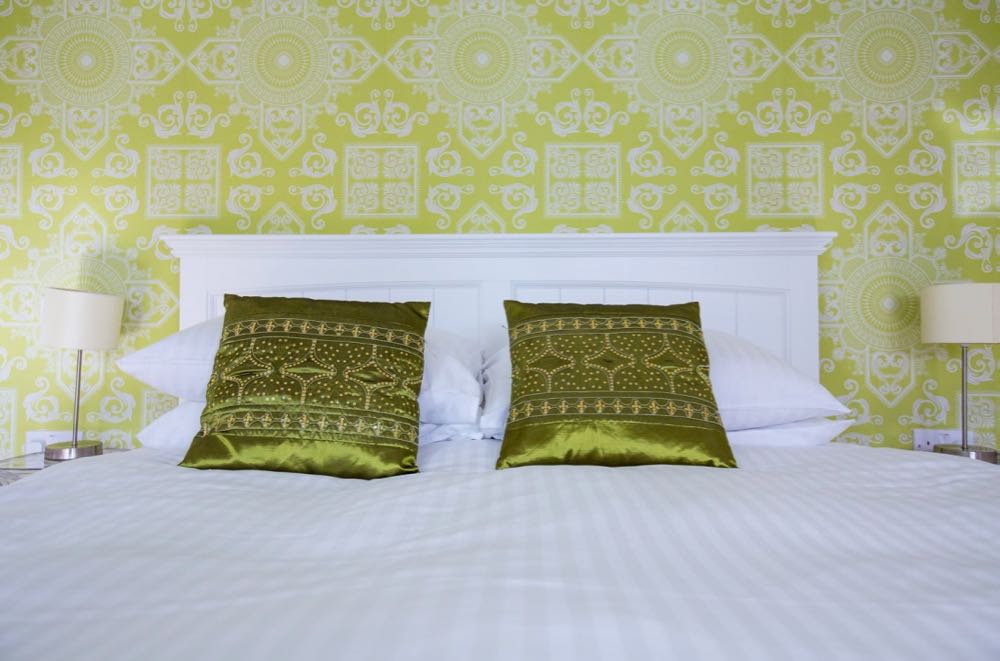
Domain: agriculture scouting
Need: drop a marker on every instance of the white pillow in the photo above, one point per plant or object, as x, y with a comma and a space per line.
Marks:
816, 431
496, 393
460, 455
174, 429
753, 388
181, 365
451, 393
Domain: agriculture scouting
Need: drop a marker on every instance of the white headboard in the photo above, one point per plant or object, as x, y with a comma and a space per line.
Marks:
759, 285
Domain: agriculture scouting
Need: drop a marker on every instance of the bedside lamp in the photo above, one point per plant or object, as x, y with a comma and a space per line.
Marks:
962, 313
73, 319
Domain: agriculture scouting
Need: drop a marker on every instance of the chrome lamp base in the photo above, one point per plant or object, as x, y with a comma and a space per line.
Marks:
66, 450
980, 452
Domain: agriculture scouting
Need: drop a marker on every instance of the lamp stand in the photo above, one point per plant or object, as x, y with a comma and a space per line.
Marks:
75, 448
979, 452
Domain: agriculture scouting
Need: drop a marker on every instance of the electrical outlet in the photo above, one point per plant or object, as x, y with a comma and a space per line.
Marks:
35, 441
925, 439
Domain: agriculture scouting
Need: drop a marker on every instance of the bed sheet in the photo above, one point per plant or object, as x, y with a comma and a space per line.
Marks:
830, 552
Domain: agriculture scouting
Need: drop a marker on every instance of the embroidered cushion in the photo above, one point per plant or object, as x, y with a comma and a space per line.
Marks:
306, 386
612, 385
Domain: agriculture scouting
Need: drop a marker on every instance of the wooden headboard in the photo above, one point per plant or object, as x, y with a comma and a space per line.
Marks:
758, 285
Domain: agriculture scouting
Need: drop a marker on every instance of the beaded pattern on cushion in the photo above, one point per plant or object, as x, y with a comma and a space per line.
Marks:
634, 366
353, 379
611, 385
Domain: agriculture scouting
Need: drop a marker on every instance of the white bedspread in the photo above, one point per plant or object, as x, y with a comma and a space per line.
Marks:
832, 552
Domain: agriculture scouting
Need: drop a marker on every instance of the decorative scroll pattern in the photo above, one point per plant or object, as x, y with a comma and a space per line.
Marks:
122, 121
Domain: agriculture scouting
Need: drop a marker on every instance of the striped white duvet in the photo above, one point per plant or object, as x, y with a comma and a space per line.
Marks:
831, 552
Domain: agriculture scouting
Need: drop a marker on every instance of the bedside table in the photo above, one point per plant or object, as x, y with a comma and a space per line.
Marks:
15, 468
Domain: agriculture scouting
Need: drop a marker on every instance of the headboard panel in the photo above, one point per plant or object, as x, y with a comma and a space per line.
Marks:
762, 285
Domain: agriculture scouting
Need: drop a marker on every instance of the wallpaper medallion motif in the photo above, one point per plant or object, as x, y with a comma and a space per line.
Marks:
122, 121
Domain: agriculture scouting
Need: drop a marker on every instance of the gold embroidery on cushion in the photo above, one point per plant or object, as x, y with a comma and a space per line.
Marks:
358, 380
573, 324
628, 366
602, 406
295, 326
378, 430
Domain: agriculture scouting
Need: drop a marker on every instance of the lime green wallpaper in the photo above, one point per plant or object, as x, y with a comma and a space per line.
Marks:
124, 121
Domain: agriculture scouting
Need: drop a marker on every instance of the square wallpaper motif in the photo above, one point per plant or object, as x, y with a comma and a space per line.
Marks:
124, 121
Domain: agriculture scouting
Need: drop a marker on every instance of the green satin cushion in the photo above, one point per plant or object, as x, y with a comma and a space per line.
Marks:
307, 386
611, 385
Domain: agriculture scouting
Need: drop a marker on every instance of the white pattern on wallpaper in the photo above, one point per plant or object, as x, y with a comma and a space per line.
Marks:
123, 121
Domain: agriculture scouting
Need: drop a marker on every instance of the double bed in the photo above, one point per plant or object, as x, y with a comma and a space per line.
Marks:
826, 552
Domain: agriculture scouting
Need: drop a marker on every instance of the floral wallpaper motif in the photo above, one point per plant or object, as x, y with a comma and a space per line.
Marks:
124, 121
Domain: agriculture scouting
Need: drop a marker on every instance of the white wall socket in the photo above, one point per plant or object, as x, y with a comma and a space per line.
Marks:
35, 441
925, 439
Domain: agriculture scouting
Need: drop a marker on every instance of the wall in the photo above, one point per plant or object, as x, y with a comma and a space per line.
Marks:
123, 122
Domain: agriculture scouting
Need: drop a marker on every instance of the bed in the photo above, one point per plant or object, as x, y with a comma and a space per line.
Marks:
828, 552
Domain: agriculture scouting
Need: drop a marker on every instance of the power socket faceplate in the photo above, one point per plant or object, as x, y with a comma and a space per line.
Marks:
35, 441
925, 439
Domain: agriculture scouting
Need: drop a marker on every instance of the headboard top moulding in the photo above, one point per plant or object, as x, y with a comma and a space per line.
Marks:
497, 245
763, 286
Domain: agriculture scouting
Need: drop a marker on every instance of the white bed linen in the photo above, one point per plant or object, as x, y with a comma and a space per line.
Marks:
830, 552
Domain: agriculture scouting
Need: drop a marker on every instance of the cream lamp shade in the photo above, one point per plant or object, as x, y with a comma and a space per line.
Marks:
960, 313
73, 319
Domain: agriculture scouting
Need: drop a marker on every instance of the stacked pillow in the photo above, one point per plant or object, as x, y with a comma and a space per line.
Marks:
765, 401
174, 429
179, 364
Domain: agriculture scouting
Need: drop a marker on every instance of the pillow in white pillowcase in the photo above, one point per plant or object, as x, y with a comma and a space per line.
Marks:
459, 455
181, 365
753, 388
174, 429
496, 393
816, 431
451, 393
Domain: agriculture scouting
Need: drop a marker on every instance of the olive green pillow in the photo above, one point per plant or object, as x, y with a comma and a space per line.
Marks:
306, 386
612, 385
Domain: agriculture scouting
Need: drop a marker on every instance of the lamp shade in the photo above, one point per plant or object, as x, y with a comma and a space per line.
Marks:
960, 313
75, 319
